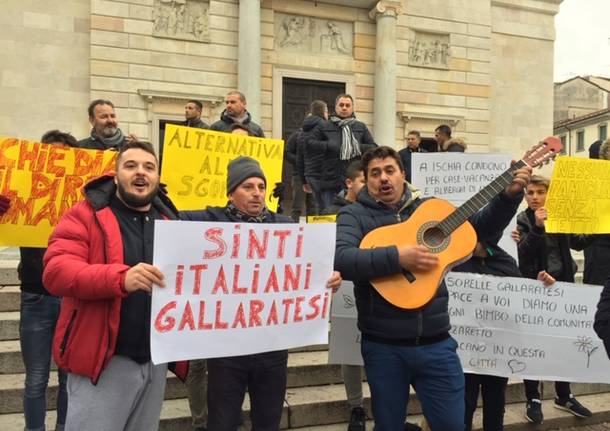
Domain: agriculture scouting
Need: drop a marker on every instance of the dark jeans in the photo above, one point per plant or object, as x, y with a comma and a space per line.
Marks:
435, 372
324, 197
262, 374
39, 315
493, 390
562, 389
300, 198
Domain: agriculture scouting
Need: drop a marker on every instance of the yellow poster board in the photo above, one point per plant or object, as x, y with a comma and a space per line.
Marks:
578, 200
195, 162
42, 182
329, 218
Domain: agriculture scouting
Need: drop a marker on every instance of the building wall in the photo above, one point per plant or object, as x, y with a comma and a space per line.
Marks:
126, 60
500, 66
577, 97
462, 92
522, 70
44, 72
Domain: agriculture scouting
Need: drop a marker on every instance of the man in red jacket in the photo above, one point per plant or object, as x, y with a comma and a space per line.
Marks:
99, 260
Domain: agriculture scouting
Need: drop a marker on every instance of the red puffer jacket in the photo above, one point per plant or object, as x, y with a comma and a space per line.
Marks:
84, 265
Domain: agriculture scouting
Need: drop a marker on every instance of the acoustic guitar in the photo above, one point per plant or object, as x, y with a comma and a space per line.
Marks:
445, 231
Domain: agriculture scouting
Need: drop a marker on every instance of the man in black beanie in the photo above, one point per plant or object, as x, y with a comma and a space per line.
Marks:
262, 374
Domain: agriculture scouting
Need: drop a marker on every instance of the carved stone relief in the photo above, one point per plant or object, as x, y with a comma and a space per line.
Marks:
313, 35
182, 19
429, 50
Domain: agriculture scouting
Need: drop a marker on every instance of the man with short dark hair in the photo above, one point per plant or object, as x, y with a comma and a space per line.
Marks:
340, 140
235, 112
105, 132
263, 375
192, 115
442, 134
99, 261
401, 347
413, 146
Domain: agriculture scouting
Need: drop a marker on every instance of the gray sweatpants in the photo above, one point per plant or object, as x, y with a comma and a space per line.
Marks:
352, 378
128, 397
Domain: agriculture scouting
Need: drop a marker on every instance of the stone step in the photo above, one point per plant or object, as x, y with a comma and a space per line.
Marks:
9, 325
10, 298
12, 363
302, 412
304, 369
514, 418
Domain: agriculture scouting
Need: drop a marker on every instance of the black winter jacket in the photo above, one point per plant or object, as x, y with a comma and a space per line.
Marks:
406, 154
197, 123
326, 143
309, 162
597, 261
377, 318
540, 251
225, 122
291, 149
601, 324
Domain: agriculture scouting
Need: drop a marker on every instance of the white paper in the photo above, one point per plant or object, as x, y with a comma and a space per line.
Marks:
512, 327
179, 330
456, 177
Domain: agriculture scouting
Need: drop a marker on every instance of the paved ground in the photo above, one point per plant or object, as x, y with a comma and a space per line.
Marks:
598, 427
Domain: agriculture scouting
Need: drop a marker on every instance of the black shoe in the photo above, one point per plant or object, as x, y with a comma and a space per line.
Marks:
200, 429
533, 411
357, 421
573, 406
412, 427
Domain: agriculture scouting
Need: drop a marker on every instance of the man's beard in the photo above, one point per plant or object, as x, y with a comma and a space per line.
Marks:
109, 131
135, 201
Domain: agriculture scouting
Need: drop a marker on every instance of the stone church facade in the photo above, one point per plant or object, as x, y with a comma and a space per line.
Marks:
484, 67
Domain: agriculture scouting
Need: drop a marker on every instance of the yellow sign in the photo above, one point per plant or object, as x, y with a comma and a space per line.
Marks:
329, 218
578, 200
195, 164
42, 182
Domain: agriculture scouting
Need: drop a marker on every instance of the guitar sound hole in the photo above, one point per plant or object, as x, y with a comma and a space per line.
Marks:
433, 237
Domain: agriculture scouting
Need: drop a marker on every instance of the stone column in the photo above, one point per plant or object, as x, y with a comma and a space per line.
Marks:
384, 107
249, 55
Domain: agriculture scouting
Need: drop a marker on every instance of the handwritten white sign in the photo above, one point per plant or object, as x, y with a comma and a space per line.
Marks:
512, 327
236, 288
456, 177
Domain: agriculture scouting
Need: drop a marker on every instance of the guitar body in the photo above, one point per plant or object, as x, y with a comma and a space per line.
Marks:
412, 289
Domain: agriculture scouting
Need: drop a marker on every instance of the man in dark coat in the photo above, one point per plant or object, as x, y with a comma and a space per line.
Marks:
339, 141
235, 112
406, 154
402, 347
192, 115
263, 375
105, 132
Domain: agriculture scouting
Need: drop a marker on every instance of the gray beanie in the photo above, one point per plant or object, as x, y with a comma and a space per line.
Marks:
240, 169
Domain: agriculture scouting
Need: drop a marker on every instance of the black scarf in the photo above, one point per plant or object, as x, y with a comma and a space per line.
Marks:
239, 216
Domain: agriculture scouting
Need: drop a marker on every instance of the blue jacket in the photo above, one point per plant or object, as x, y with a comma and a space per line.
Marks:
378, 319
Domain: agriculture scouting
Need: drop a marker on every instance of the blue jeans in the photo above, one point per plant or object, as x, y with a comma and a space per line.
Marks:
39, 315
435, 372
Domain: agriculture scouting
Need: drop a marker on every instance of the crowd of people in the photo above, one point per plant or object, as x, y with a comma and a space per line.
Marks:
86, 298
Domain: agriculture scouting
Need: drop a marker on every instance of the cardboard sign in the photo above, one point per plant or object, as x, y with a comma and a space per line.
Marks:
195, 164
239, 288
512, 327
456, 177
42, 182
578, 200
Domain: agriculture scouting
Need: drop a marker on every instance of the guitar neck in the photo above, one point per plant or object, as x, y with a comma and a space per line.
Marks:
479, 200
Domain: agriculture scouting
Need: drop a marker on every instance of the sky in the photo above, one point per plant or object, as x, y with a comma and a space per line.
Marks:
582, 44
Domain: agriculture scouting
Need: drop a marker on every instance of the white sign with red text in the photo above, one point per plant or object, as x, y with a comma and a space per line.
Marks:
239, 288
